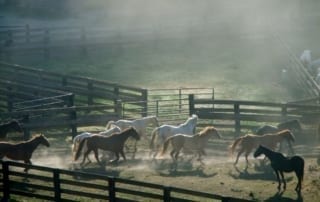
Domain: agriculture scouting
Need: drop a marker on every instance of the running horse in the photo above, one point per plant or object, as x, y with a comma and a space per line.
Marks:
195, 143
78, 138
13, 125
293, 125
115, 143
140, 124
249, 142
281, 164
163, 132
22, 151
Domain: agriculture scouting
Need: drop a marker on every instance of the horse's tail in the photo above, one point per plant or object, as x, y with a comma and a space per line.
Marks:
153, 136
165, 145
234, 144
108, 126
79, 149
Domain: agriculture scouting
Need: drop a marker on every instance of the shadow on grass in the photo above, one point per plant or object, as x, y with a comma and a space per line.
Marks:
166, 168
278, 197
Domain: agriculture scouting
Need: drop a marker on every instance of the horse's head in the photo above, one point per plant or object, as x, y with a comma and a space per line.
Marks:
258, 152
43, 140
133, 133
210, 131
15, 125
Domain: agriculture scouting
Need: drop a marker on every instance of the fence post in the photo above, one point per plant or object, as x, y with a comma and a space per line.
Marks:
166, 194
112, 189
237, 119
145, 100
56, 183
191, 104
284, 112
6, 182
180, 102
73, 117
118, 109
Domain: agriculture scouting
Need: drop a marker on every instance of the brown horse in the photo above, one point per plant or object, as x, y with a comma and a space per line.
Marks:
195, 143
12, 125
249, 142
22, 151
114, 143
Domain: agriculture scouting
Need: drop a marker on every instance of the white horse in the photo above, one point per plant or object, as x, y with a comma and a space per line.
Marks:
165, 131
77, 139
306, 60
139, 124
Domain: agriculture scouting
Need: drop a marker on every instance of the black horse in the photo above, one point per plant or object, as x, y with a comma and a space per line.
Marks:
13, 125
281, 164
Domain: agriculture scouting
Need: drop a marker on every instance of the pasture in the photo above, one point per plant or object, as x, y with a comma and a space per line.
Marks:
230, 47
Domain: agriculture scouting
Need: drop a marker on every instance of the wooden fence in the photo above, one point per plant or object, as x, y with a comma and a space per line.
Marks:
239, 115
64, 185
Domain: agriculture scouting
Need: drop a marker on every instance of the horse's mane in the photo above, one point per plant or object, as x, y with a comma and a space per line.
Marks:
287, 133
204, 132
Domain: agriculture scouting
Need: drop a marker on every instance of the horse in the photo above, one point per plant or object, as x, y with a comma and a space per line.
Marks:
77, 139
139, 124
293, 125
281, 164
114, 142
23, 150
195, 143
249, 142
13, 125
165, 131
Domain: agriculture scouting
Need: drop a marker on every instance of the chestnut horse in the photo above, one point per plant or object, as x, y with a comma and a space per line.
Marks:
249, 142
195, 143
22, 151
114, 142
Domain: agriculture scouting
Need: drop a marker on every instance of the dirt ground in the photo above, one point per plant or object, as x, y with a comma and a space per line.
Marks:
217, 175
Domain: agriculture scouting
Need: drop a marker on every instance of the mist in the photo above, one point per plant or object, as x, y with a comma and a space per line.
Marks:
222, 43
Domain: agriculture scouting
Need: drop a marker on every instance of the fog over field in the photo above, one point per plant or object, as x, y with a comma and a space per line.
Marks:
232, 46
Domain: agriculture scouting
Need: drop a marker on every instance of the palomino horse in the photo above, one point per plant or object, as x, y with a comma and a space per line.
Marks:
195, 143
139, 124
281, 164
114, 143
249, 142
77, 139
12, 125
293, 125
23, 150
165, 131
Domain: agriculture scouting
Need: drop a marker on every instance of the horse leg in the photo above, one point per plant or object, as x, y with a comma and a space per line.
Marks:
123, 155
239, 153
96, 155
283, 180
279, 182
85, 156
116, 159
299, 176
28, 161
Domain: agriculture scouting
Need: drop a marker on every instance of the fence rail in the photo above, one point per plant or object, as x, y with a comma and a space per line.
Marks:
239, 115
76, 186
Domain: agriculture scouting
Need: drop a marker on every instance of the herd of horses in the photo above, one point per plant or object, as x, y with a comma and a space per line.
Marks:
181, 137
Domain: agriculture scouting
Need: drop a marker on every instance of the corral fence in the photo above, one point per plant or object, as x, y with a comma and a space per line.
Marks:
64, 185
239, 115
